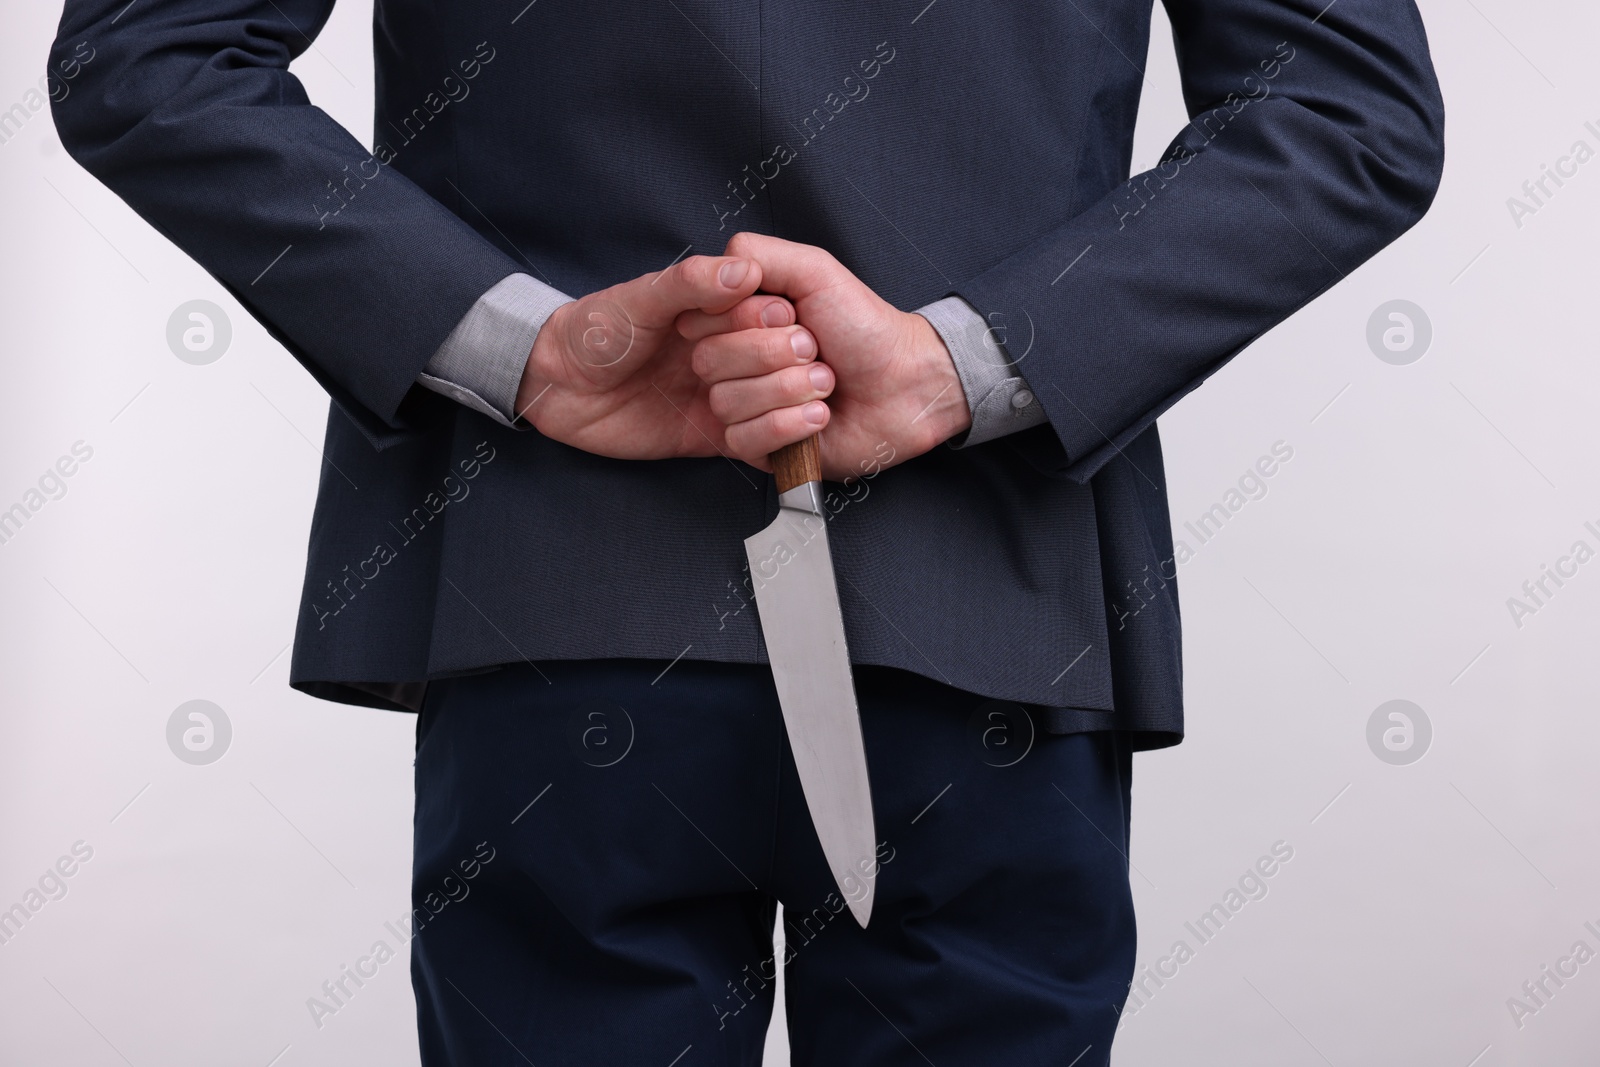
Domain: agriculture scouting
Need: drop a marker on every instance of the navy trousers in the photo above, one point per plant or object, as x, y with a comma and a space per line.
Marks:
601, 846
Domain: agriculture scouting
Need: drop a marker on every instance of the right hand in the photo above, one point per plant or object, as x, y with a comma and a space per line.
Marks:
609, 373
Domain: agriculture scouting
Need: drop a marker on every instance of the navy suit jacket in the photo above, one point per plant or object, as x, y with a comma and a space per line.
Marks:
948, 148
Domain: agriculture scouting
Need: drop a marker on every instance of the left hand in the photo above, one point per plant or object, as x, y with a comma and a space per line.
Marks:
854, 365
611, 375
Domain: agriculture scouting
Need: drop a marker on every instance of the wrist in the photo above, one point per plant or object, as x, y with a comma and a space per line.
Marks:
942, 410
541, 369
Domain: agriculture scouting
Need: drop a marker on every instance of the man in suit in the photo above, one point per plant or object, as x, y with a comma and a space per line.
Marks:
555, 381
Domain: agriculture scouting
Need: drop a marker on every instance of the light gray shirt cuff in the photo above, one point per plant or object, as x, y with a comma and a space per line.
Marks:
480, 364
997, 395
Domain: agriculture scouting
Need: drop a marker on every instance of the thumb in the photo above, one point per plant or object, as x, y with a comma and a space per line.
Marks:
709, 283
788, 268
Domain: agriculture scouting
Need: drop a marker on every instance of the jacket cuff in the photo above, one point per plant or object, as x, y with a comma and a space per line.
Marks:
997, 395
480, 364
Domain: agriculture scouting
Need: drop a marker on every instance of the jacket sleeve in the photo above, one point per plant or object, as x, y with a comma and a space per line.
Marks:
1316, 138
188, 112
480, 364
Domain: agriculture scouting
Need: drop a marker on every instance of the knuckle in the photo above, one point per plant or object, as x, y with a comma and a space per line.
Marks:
695, 271
740, 442
721, 400
762, 435
777, 350
702, 359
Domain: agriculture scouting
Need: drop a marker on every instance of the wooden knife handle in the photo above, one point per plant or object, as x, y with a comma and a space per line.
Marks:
798, 463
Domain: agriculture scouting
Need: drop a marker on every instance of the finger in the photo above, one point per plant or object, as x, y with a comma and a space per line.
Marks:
750, 313
743, 399
755, 440
787, 267
752, 353
711, 283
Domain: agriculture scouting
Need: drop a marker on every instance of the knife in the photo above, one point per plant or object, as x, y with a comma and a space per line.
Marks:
791, 571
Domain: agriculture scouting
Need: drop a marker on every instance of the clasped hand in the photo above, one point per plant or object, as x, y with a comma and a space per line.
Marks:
694, 361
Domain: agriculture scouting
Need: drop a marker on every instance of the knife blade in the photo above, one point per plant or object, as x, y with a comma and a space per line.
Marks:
791, 570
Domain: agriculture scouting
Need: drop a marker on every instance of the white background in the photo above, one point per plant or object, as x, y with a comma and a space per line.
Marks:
1377, 567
